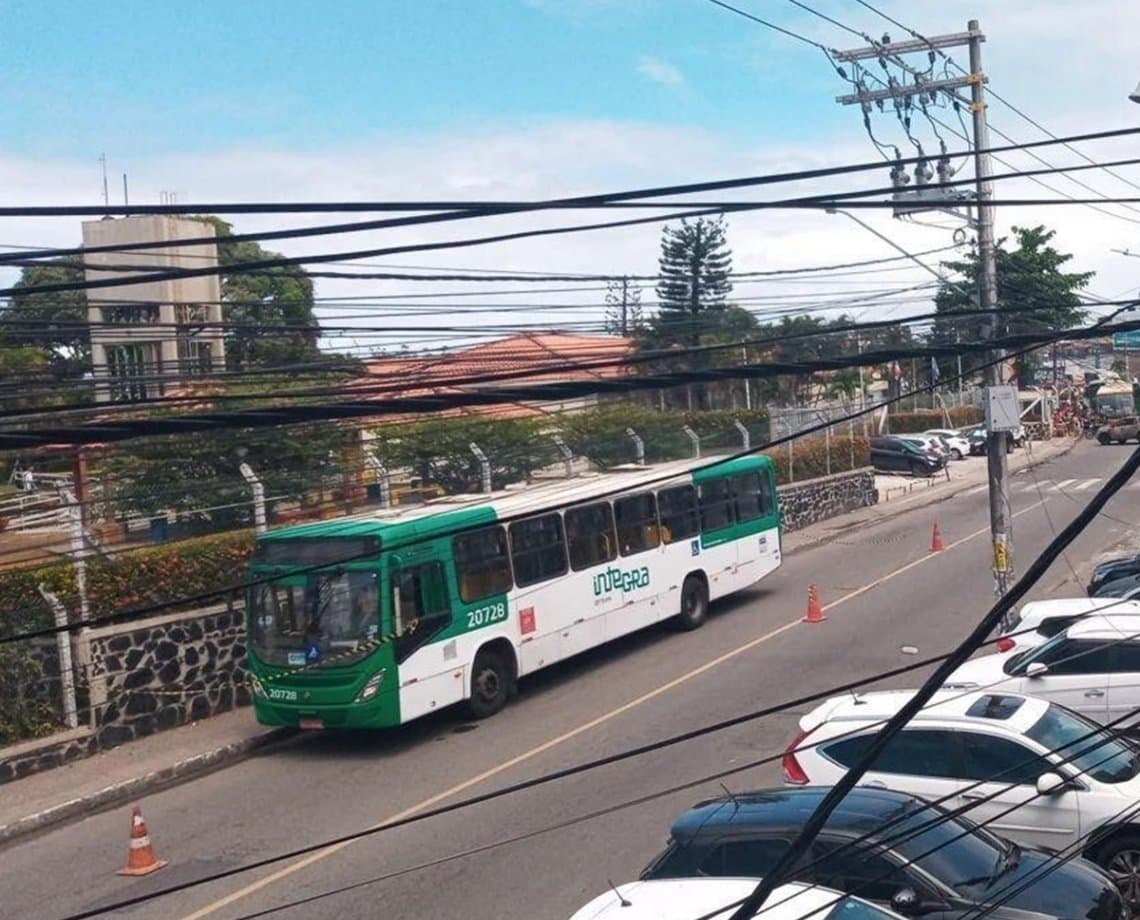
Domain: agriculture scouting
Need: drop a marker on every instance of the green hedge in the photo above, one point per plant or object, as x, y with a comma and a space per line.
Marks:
809, 457
136, 578
924, 420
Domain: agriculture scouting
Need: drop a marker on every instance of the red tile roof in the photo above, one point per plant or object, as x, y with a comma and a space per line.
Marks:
546, 357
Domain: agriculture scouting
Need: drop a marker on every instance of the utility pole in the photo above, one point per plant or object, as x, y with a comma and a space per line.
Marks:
998, 471
933, 196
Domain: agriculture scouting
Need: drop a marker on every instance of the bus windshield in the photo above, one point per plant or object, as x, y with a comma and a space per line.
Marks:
321, 619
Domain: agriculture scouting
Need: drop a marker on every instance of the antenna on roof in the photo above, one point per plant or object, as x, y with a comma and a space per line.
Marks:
106, 198
730, 795
855, 697
621, 897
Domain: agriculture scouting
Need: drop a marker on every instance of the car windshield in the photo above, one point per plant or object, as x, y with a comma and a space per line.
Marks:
327, 618
956, 851
1088, 747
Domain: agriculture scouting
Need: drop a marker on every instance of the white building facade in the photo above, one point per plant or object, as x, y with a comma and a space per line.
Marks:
150, 339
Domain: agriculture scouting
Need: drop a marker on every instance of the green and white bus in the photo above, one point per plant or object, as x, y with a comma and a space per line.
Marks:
379, 618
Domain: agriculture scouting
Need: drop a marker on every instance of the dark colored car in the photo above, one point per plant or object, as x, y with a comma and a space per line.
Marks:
890, 454
1112, 569
1127, 589
910, 855
977, 437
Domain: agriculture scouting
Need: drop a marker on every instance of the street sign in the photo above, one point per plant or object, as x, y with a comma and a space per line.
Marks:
1123, 340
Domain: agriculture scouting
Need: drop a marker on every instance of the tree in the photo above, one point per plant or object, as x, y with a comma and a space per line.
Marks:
54, 325
1031, 286
695, 264
269, 314
623, 307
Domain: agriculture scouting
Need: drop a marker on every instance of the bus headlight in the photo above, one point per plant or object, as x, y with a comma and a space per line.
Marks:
257, 688
371, 688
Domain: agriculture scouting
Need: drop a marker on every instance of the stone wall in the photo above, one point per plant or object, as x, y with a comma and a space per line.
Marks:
805, 503
159, 673
144, 677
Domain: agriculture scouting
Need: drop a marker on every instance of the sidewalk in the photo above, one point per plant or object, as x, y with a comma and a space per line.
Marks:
126, 772
117, 776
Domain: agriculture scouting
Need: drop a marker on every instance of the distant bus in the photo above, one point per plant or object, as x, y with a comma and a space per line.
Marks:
379, 618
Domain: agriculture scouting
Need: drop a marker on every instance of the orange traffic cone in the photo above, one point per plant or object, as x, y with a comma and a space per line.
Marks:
814, 611
140, 857
936, 540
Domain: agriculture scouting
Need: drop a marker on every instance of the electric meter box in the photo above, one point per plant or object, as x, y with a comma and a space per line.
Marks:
1003, 411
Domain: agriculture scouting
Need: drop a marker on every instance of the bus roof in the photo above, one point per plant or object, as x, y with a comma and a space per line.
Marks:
411, 523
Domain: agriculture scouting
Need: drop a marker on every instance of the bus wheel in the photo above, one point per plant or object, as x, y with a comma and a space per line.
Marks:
694, 602
490, 684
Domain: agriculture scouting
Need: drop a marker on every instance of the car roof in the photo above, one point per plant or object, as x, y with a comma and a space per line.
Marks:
1036, 611
862, 811
1101, 625
684, 899
946, 707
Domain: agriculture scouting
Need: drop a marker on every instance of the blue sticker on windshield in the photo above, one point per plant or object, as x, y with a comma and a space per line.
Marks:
313, 652
296, 659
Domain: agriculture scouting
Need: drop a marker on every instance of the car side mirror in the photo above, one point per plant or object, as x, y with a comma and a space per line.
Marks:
905, 901
1037, 669
1050, 784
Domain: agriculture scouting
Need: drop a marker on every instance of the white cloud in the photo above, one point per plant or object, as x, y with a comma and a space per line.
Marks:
659, 71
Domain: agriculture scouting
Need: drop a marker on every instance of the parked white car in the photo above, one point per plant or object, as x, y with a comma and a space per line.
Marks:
956, 443
1028, 769
1093, 668
686, 899
1039, 621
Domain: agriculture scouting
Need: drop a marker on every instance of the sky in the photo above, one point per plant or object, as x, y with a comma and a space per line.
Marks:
516, 99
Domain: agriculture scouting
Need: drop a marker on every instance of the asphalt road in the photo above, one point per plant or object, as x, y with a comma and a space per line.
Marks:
886, 593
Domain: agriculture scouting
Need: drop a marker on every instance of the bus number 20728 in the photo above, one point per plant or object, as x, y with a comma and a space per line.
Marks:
485, 616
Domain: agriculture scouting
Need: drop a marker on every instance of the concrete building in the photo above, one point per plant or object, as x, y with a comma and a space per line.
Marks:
149, 339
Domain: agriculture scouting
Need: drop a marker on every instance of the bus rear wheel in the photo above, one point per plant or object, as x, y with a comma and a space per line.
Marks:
491, 681
694, 603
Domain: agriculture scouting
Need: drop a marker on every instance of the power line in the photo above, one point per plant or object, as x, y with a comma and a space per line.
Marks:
701, 207
267, 416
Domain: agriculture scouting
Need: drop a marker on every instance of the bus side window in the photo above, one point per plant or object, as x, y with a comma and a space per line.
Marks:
679, 518
748, 494
538, 549
767, 493
590, 535
637, 528
716, 504
482, 563
420, 606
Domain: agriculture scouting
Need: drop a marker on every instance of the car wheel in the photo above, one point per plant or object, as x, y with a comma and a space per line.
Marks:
918, 469
955, 454
491, 683
1103, 439
1120, 858
694, 603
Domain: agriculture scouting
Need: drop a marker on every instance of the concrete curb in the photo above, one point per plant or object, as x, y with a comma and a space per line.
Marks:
887, 512
183, 770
